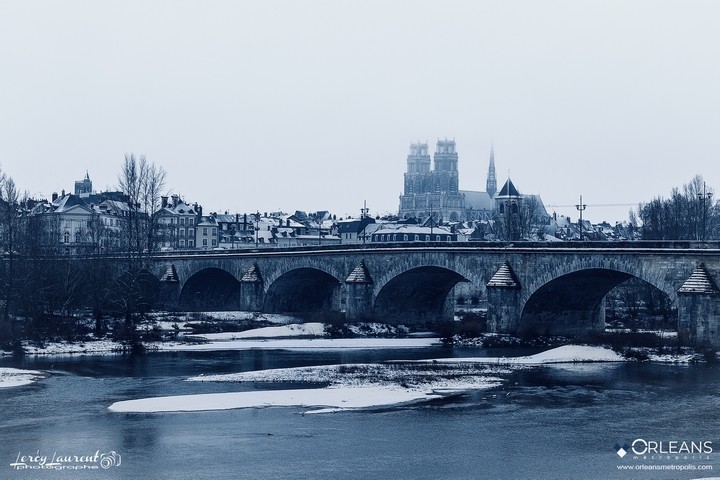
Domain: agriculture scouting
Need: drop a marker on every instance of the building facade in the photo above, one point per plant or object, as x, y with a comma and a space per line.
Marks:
177, 224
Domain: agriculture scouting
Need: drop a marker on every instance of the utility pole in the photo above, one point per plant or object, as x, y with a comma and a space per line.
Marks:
257, 227
704, 195
363, 215
581, 206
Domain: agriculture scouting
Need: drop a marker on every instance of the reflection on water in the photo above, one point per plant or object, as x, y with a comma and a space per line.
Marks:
557, 421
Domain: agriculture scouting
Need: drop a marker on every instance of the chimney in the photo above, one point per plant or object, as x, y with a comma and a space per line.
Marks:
174, 200
63, 192
164, 201
54, 196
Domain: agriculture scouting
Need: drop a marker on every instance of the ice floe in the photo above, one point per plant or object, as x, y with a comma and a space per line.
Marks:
15, 377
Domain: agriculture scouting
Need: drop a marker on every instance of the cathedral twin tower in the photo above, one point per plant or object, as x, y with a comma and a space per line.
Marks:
436, 192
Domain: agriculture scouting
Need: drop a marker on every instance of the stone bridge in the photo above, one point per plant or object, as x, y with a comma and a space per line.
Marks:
531, 289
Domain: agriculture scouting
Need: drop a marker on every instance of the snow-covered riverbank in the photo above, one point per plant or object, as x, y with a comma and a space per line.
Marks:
294, 336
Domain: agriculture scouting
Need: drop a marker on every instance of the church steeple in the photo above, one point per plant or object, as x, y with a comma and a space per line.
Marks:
491, 186
83, 187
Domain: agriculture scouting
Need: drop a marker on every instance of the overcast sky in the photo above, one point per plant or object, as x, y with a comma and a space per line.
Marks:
284, 105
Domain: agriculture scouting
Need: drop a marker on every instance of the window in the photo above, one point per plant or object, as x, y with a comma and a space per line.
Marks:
437, 238
214, 242
182, 243
66, 237
191, 221
427, 238
77, 237
417, 238
405, 238
182, 232
214, 232
205, 231
204, 242
191, 243
191, 232
172, 221
182, 221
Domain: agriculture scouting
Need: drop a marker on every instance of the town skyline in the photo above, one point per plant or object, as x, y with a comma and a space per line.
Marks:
274, 106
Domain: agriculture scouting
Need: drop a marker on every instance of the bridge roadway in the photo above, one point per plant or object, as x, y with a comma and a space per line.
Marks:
531, 288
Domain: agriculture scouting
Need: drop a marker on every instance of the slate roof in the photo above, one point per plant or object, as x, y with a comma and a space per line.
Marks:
504, 277
508, 190
699, 282
478, 200
170, 274
252, 275
67, 202
360, 274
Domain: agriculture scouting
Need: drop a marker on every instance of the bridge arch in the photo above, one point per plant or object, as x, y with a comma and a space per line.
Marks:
210, 289
302, 289
419, 295
569, 299
628, 265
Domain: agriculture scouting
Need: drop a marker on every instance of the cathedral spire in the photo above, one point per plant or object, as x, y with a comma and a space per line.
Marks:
491, 186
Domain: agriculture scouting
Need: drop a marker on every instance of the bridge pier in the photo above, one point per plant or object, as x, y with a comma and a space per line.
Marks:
503, 313
251, 297
699, 310
169, 289
252, 293
359, 293
503, 294
358, 301
699, 320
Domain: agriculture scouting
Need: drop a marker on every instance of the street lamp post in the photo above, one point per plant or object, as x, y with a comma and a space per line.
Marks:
703, 196
581, 206
257, 227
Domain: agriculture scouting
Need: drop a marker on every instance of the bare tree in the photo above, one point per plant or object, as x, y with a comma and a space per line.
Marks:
10, 224
689, 214
142, 182
152, 186
530, 215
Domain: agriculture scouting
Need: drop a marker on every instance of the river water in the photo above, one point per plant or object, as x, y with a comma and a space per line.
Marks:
550, 422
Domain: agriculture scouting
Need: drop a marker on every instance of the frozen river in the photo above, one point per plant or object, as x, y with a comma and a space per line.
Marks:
548, 422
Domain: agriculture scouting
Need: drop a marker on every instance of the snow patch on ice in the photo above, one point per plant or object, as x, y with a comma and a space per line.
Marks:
564, 354
332, 399
93, 347
229, 316
360, 374
15, 377
285, 331
301, 344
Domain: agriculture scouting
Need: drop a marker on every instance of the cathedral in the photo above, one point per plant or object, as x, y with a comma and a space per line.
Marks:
436, 192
